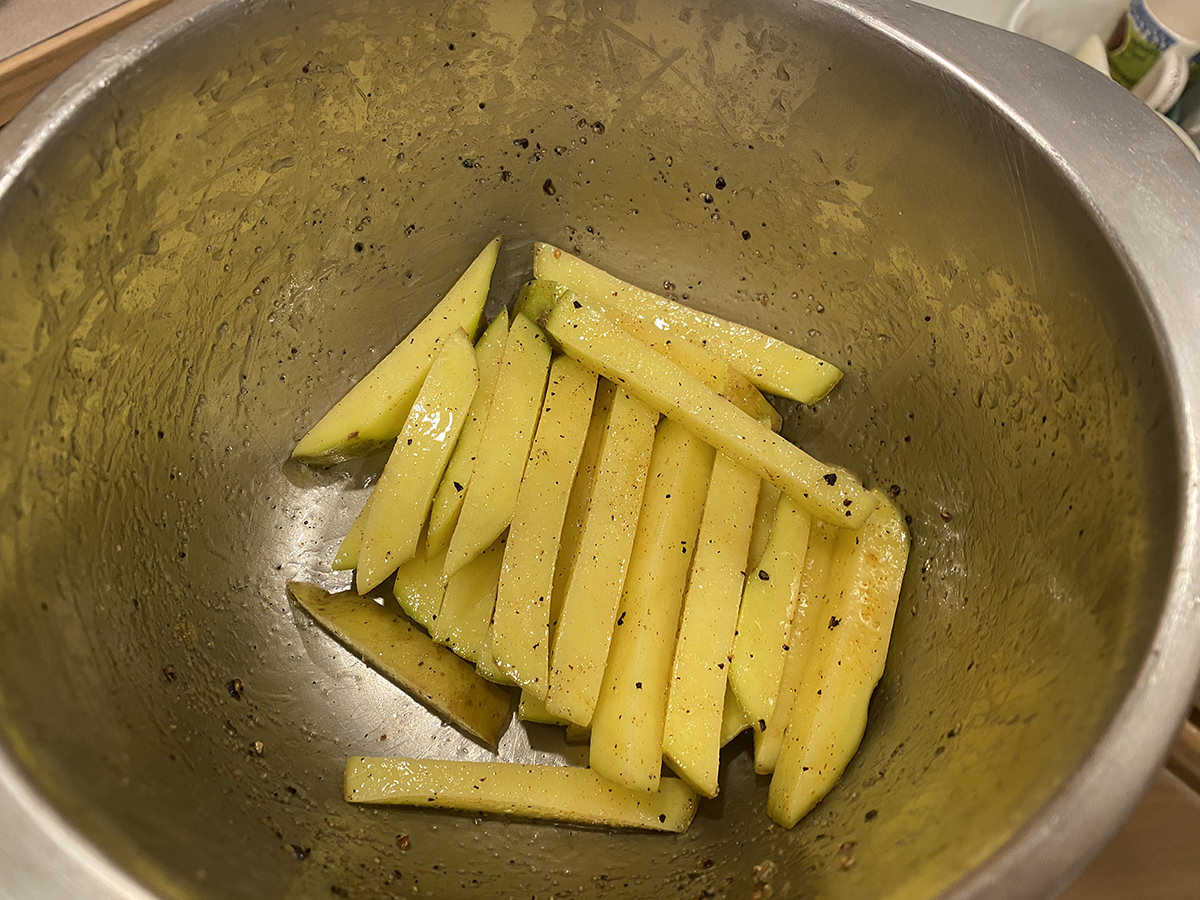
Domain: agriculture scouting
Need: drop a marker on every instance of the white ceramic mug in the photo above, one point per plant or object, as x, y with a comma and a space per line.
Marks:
1155, 50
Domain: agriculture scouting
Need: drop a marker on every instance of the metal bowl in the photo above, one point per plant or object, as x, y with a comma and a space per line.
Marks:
217, 222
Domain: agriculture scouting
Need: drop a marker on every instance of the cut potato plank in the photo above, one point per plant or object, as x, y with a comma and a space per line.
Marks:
401, 499
559, 793
627, 727
406, 656
447, 502
519, 640
829, 492
487, 666
806, 633
419, 587
581, 640
700, 670
830, 713
374, 410
462, 623
765, 619
346, 557
733, 718
577, 503
538, 298
533, 709
491, 495
773, 365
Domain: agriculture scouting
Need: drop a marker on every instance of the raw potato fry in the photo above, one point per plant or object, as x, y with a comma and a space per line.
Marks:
771, 364
447, 502
400, 501
538, 298
764, 519
806, 633
419, 587
374, 410
519, 639
577, 503
347, 551
531, 709
627, 727
700, 671
487, 666
597, 576
462, 623
765, 619
406, 656
560, 793
829, 492
733, 718
830, 713
489, 499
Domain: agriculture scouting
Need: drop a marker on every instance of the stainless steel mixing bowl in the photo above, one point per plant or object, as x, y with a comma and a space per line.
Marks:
216, 223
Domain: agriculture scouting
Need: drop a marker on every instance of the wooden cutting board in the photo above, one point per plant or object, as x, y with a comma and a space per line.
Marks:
22, 75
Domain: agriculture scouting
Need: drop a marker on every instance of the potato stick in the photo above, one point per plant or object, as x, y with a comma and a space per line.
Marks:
807, 625
373, 411
489, 499
829, 492
447, 502
707, 366
764, 520
531, 709
577, 503
700, 671
415, 466
538, 298
557, 793
733, 718
407, 657
771, 364
487, 666
765, 619
346, 557
462, 623
830, 712
519, 639
585, 625
419, 587
627, 726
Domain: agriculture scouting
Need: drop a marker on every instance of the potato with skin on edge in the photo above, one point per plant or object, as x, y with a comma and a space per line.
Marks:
447, 502
597, 578
519, 639
829, 492
830, 712
508, 430
406, 656
405, 490
773, 365
374, 410
627, 726
559, 793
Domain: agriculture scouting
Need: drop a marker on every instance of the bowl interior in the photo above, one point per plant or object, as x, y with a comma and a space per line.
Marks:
212, 248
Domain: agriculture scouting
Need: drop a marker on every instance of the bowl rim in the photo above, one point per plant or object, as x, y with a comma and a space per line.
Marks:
1154, 230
